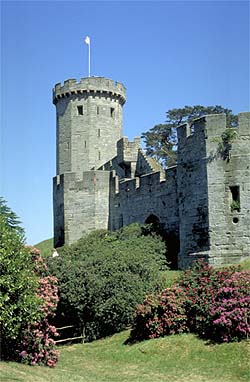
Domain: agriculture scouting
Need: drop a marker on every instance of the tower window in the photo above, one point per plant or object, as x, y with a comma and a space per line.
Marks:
97, 110
80, 110
99, 155
235, 198
112, 112
99, 133
85, 144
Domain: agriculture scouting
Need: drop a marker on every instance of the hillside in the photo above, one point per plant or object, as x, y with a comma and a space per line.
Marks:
179, 358
46, 247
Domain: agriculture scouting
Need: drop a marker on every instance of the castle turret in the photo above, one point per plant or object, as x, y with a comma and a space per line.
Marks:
89, 124
87, 112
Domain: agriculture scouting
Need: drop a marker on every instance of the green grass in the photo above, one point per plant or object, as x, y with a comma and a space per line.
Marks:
245, 265
180, 358
46, 247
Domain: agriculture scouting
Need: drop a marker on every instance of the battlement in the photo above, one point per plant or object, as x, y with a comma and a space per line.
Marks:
147, 182
211, 126
88, 181
97, 86
244, 124
127, 151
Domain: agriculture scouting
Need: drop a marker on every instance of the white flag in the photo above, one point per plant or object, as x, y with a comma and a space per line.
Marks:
87, 40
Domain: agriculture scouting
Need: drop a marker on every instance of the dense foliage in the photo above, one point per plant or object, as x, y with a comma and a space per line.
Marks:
104, 276
19, 304
161, 140
28, 297
37, 344
212, 303
160, 315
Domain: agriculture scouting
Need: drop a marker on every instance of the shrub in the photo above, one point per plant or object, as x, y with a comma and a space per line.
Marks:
160, 315
104, 276
210, 302
37, 346
230, 310
28, 297
18, 283
200, 284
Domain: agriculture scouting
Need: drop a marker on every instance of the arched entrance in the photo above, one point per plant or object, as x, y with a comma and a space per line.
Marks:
171, 239
152, 219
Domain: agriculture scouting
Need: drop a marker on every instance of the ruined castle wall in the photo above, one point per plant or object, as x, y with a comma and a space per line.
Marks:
192, 192
229, 179
140, 198
85, 204
208, 183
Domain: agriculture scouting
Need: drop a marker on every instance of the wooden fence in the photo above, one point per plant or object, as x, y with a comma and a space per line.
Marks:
82, 337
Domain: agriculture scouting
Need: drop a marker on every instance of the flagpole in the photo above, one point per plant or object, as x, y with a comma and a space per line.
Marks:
87, 41
89, 59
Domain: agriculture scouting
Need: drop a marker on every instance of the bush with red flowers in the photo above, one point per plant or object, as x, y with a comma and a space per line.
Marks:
161, 315
213, 303
230, 310
37, 346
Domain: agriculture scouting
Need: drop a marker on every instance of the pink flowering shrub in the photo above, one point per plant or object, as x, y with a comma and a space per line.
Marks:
37, 344
200, 284
230, 310
213, 303
161, 315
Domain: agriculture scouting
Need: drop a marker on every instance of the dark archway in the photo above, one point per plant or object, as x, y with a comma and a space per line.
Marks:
152, 219
171, 240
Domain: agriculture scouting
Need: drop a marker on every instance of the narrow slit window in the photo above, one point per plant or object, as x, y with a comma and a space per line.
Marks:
235, 198
80, 110
112, 112
97, 110
85, 144
99, 155
99, 133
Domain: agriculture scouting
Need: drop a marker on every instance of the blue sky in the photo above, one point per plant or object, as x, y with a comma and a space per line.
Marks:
167, 53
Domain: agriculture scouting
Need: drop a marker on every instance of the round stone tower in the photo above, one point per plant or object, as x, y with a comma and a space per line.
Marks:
89, 123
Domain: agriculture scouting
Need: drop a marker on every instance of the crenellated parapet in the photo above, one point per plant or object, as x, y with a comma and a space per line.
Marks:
127, 151
96, 86
244, 124
211, 126
146, 183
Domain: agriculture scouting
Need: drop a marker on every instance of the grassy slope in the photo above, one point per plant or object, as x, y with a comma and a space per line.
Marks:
176, 358
46, 247
180, 358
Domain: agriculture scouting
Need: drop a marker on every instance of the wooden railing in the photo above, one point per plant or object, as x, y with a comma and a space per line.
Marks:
82, 337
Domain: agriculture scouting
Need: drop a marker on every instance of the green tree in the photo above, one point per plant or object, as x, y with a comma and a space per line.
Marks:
18, 282
161, 140
10, 218
103, 276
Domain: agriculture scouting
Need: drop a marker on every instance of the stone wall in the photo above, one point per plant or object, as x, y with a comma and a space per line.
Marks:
105, 181
89, 123
229, 178
84, 205
206, 181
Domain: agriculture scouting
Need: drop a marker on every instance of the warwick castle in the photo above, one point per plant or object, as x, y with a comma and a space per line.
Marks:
104, 181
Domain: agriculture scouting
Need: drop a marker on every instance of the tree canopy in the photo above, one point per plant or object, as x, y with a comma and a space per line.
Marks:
10, 218
103, 276
161, 140
18, 282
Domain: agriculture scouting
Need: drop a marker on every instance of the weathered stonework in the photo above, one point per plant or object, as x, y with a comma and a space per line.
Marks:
105, 181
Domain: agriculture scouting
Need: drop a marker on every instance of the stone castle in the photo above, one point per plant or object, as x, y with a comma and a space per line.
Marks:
104, 181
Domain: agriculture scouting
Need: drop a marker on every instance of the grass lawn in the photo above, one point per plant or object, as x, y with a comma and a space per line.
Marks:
180, 358
46, 247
